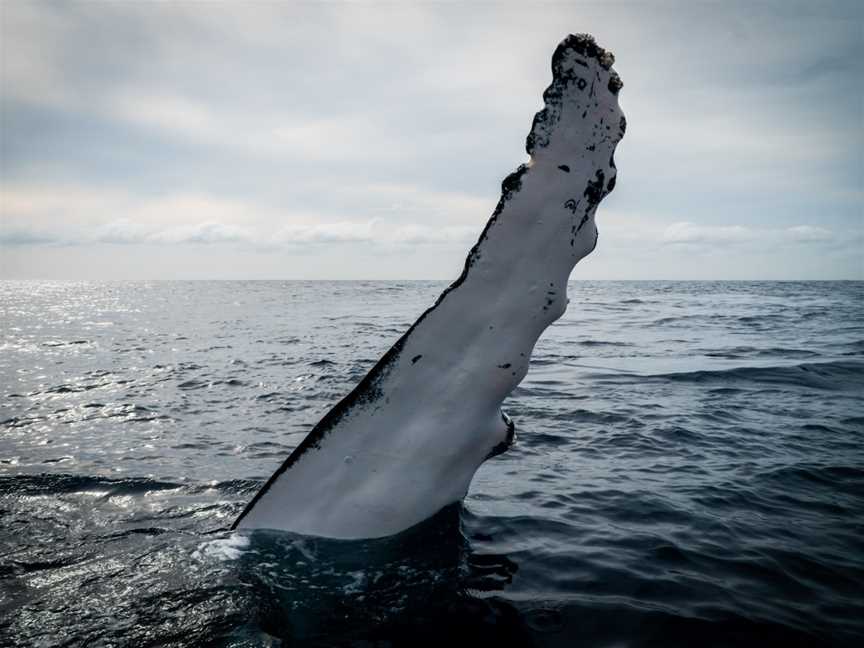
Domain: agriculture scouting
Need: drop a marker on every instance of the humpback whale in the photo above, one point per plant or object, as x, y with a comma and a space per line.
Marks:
407, 440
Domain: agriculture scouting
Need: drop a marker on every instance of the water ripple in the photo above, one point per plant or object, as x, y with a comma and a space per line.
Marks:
688, 471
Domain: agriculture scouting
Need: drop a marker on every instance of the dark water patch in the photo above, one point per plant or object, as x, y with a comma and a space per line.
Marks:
140, 531
291, 408
20, 421
71, 388
60, 343
833, 376
854, 348
545, 439
268, 445
839, 478
64, 483
635, 508
322, 363
662, 321
237, 486
818, 427
192, 384
188, 366
625, 441
771, 503
720, 415
763, 319
578, 416
682, 435
190, 446
724, 391
753, 352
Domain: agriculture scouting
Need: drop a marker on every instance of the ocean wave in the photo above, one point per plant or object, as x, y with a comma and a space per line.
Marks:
685, 471
836, 376
60, 483
738, 352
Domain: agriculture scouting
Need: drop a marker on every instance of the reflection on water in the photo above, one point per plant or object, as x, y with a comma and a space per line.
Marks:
424, 586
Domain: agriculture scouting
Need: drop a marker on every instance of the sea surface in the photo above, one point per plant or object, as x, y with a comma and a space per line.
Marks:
689, 471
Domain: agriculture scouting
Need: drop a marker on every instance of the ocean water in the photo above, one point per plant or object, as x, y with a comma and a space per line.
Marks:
689, 471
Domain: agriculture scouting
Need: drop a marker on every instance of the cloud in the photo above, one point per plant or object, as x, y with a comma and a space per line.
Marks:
686, 232
183, 118
377, 232
392, 215
18, 236
690, 233
339, 232
128, 232
29, 218
175, 114
335, 128
809, 233
125, 232
424, 234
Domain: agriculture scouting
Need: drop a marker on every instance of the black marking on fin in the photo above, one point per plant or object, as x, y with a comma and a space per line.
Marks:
508, 441
581, 223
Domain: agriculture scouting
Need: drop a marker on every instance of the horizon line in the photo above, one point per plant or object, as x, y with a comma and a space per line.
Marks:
363, 280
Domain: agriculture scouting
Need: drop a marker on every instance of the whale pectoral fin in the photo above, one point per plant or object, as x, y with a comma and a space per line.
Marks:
407, 440
508, 432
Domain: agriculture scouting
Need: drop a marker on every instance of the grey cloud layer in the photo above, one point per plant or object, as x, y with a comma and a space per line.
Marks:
338, 124
124, 232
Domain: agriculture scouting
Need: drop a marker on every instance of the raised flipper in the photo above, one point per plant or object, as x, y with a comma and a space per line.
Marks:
408, 439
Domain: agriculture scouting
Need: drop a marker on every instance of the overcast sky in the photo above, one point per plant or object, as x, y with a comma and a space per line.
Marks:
278, 140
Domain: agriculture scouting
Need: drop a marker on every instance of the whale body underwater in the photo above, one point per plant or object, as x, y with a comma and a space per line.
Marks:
407, 440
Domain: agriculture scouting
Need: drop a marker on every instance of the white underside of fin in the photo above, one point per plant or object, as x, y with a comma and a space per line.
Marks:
408, 440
